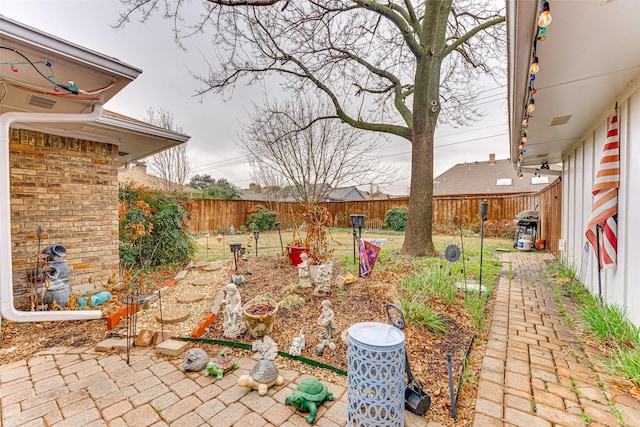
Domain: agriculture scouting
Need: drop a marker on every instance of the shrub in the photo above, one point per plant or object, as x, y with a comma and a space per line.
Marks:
396, 218
153, 227
261, 218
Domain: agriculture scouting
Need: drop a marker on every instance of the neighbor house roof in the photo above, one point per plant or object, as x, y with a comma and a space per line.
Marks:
497, 177
137, 174
344, 193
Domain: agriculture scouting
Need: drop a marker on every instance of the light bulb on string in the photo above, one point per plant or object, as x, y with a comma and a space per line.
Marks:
542, 38
14, 68
532, 106
542, 32
545, 17
535, 67
523, 139
521, 146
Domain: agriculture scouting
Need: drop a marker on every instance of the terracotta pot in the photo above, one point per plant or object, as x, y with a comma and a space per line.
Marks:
260, 314
294, 253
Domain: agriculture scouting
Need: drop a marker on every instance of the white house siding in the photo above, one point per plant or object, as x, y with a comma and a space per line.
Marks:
621, 284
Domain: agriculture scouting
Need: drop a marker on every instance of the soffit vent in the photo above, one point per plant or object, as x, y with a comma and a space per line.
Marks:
40, 102
122, 153
559, 120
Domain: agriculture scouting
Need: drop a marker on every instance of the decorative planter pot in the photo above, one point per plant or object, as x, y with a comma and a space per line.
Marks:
294, 253
260, 314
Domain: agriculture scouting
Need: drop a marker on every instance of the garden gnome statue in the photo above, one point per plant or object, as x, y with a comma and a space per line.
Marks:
323, 281
233, 323
303, 271
267, 349
298, 344
326, 320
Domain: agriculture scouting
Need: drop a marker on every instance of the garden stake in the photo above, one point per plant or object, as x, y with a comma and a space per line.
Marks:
464, 269
483, 216
452, 396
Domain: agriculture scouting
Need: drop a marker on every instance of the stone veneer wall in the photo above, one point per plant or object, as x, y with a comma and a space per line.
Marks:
68, 187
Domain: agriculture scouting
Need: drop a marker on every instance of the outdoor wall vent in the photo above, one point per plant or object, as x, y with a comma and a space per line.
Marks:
40, 102
559, 120
122, 153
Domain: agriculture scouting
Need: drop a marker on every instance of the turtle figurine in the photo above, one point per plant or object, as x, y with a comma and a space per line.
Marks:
221, 365
307, 396
263, 375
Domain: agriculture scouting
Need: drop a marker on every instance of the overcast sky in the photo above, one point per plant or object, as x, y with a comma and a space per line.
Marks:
211, 121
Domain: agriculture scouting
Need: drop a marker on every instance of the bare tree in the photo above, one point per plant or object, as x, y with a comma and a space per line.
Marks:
295, 140
270, 182
171, 167
391, 66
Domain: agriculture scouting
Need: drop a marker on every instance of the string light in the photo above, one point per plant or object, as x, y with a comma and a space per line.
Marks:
50, 77
535, 67
545, 17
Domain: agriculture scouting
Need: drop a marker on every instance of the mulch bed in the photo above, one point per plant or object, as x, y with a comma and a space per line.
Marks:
362, 301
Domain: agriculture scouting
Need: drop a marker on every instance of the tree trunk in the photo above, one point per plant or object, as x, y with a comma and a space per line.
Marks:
418, 240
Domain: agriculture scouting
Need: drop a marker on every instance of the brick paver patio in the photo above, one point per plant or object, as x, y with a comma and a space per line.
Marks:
536, 372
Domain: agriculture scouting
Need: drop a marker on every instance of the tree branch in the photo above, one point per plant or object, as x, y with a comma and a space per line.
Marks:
462, 39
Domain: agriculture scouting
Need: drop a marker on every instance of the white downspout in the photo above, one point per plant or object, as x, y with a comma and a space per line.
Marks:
7, 308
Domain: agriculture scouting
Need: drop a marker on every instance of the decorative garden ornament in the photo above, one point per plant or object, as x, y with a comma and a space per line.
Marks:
221, 365
323, 280
325, 344
267, 349
195, 360
326, 320
233, 323
304, 278
263, 375
298, 344
307, 396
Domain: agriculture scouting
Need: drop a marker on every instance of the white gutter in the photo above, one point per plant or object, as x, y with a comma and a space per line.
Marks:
7, 308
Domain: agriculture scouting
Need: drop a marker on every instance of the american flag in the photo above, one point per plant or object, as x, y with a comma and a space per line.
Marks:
604, 212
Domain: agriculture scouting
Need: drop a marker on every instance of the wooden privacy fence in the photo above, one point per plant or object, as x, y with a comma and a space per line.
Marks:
213, 214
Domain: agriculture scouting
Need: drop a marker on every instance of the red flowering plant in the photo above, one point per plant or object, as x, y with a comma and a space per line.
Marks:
153, 227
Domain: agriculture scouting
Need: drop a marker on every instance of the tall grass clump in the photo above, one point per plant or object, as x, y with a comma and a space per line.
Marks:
626, 363
414, 301
609, 323
440, 280
475, 305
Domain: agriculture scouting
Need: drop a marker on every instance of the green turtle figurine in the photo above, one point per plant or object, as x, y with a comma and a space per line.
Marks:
307, 396
220, 365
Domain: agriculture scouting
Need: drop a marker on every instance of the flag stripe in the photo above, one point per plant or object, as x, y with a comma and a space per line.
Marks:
605, 200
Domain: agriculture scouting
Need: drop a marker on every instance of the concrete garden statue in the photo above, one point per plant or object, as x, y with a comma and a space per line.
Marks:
195, 360
307, 396
233, 322
298, 344
267, 349
326, 320
263, 375
303, 271
323, 280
